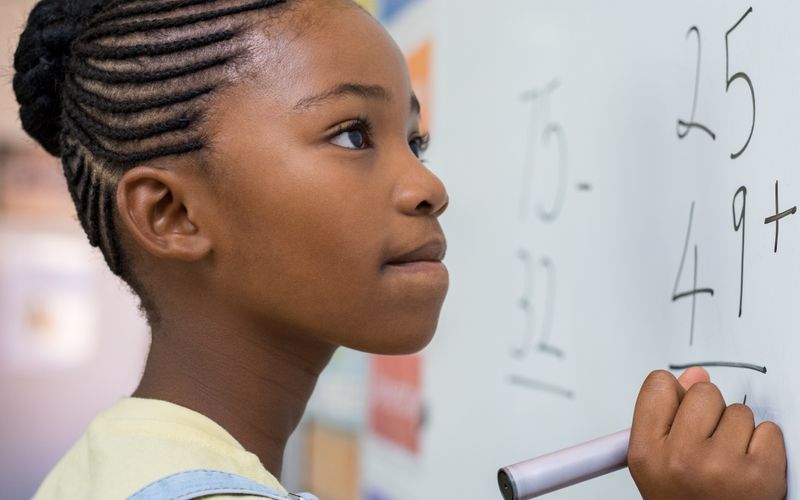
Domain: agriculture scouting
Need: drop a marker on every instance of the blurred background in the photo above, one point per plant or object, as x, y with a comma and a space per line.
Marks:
579, 183
72, 340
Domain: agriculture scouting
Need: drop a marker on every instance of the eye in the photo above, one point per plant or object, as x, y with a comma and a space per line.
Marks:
353, 135
419, 144
350, 139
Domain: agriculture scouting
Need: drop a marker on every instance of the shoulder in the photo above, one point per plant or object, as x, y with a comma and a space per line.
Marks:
137, 442
203, 483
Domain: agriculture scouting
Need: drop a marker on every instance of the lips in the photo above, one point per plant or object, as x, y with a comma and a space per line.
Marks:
431, 251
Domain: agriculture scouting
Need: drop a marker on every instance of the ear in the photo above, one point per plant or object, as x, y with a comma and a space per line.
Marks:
153, 207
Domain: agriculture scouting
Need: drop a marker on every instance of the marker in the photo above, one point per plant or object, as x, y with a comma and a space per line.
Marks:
563, 468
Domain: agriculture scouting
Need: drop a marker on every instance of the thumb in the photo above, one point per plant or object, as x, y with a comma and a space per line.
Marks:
693, 375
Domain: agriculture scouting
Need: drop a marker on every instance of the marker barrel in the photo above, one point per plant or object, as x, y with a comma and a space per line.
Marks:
563, 468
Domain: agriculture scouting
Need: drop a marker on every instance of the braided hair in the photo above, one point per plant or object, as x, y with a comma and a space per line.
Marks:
108, 84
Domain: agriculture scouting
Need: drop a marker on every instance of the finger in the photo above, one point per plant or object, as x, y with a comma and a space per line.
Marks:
699, 413
655, 408
767, 444
692, 376
735, 429
767, 448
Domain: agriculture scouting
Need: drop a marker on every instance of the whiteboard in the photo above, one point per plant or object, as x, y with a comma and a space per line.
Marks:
603, 184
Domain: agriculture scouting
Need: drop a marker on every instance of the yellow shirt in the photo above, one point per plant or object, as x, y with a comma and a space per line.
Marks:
137, 441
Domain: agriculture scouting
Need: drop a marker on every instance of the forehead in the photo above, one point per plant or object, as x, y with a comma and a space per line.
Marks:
323, 44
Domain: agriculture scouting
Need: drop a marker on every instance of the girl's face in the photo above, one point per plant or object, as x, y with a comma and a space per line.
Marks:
324, 219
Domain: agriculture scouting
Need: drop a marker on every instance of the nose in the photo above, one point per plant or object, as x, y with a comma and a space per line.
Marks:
421, 192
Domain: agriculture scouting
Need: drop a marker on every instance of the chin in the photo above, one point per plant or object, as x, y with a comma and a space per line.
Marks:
392, 329
402, 341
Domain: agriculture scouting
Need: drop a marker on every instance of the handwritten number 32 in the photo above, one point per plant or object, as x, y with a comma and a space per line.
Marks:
684, 126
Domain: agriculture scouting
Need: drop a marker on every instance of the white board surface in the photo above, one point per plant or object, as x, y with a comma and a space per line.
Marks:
556, 130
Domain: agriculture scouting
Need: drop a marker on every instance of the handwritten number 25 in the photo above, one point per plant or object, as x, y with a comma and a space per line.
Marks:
683, 126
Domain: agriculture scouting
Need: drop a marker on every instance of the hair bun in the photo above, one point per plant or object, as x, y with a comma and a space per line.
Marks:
40, 63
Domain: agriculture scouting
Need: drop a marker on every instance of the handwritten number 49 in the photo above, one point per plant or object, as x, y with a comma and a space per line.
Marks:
685, 126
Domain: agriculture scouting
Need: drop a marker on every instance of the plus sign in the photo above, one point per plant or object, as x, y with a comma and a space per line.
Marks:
778, 216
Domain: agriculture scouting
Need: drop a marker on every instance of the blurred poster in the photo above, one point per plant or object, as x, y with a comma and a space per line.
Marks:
47, 306
393, 450
395, 400
375, 494
385, 10
419, 68
389, 9
395, 388
339, 396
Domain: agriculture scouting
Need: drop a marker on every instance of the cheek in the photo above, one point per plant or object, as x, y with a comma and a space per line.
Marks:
306, 250
308, 247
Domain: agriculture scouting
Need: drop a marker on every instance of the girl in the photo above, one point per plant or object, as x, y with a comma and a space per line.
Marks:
251, 168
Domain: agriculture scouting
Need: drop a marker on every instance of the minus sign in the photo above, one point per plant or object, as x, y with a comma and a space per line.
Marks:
729, 364
584, 186
530, 383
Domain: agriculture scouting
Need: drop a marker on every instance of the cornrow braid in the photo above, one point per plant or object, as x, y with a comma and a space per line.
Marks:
114, 14
139, 26
89, 72
108, 84
157, 49
102, 103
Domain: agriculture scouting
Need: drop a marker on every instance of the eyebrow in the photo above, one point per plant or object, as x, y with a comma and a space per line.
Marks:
352, 89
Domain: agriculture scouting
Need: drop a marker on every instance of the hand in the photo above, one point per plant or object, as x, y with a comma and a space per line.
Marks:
686, 444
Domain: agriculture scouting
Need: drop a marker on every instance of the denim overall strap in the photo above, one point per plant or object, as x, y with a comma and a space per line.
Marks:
191, 484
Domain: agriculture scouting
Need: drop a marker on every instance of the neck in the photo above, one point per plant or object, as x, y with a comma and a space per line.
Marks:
253, 381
